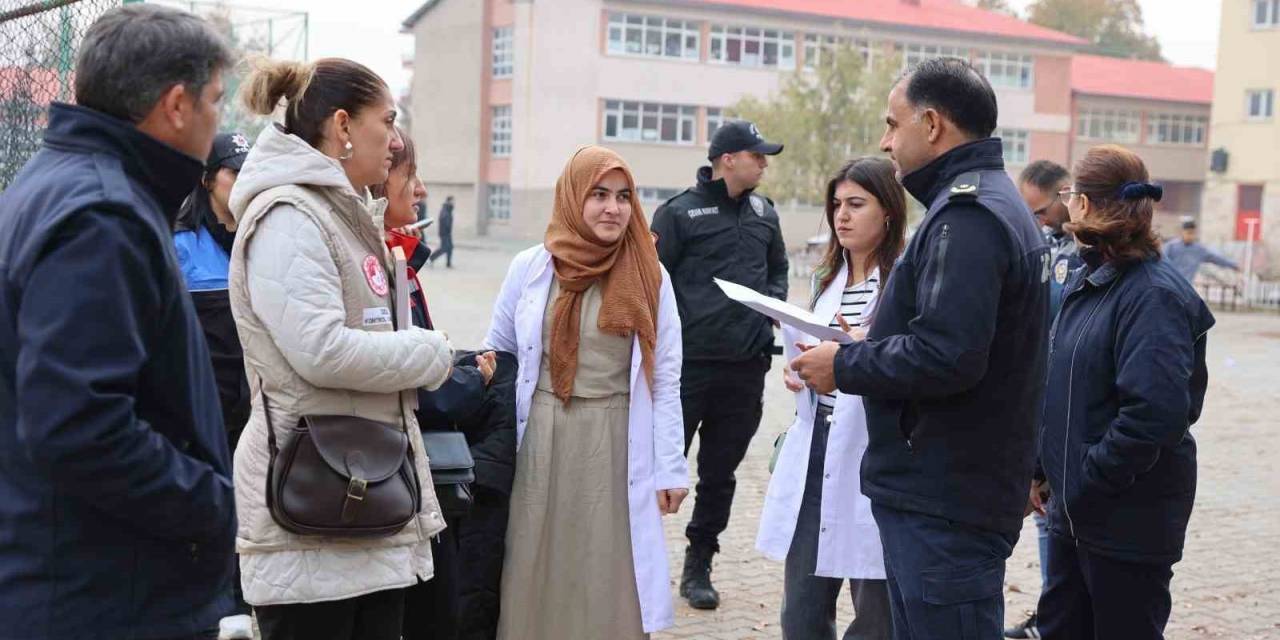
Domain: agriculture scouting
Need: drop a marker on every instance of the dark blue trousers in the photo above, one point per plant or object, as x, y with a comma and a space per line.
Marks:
946, 579
1093, 597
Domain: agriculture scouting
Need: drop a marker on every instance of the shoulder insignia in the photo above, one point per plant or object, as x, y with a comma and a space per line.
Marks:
966, 184
757, 205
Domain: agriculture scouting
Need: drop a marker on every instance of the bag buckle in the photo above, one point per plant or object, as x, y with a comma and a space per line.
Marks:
357, 489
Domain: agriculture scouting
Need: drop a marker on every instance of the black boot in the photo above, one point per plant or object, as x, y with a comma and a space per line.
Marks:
695, 585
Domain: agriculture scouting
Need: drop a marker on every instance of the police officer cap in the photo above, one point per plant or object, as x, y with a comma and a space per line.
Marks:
229, 151
1188, 222
739, 135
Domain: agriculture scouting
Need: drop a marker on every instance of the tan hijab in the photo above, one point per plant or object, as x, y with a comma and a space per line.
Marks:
628, 269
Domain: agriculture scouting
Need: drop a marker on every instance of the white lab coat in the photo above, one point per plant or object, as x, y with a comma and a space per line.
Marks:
655, 431
848, 542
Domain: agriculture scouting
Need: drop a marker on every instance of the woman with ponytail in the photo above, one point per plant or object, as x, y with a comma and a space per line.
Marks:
1126, 381
311, 290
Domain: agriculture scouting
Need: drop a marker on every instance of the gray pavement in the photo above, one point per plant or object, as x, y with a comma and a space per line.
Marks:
1222, 588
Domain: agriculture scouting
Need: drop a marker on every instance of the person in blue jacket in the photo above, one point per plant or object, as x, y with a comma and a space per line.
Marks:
117, 513
204, 233
1126, 381
952, 369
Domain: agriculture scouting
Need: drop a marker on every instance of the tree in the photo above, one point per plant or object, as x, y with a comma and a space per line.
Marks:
998, 6
1115, 27
825, 116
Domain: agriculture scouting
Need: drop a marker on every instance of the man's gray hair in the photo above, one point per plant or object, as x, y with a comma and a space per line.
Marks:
134, 54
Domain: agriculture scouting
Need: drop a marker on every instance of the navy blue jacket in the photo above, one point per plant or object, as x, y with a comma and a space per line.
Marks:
116, 508
1127, 379
952, 370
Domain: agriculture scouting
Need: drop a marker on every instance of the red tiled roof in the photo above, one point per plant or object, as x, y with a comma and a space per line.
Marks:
1102, 76
941, 15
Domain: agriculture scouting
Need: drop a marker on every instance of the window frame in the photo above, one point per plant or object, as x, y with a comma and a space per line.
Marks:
622, 23
1181, 123
1020, 138
817, 45
499, 211
1270, 105
683, 118
502, 54
719, 119
1108, 119
1025, 65
1271, 11
719, 37
923, 52
500, 136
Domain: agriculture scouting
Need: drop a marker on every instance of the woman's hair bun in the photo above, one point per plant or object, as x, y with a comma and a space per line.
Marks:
270, 81
1139, 190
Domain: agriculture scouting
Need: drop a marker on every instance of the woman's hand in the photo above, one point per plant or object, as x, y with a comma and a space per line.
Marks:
487, 363
669, 500
1038, 498
857, 333
791, 381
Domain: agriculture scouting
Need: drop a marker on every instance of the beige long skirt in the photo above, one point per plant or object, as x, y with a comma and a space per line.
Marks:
568, 573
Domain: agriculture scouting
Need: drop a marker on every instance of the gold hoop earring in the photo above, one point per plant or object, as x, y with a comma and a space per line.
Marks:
350, 152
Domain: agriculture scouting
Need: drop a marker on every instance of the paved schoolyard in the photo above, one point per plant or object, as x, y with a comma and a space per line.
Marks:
1222, 588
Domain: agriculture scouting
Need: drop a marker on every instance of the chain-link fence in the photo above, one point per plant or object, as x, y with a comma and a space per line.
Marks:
38, 43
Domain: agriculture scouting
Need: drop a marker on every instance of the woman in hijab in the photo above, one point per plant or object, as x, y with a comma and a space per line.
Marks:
592, 316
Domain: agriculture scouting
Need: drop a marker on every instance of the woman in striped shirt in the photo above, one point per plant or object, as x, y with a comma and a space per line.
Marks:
815, 516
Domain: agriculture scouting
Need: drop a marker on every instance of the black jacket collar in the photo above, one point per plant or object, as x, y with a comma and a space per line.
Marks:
167, 173
924, 184
716, 188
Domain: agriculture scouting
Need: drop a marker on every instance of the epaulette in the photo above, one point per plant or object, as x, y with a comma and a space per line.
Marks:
965, 186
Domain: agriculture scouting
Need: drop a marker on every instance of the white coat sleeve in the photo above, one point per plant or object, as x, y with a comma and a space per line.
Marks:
296, 291
670, 466
502, 326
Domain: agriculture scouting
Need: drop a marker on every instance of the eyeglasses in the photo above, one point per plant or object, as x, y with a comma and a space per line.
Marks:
1065, 195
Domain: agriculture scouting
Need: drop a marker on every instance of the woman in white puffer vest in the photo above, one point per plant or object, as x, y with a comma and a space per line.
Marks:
312, 298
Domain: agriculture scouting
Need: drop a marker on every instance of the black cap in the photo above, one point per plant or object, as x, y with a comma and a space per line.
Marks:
229, 150
739, 135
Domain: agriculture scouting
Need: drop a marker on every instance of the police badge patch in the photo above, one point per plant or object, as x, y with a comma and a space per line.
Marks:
757, 204
1060, 272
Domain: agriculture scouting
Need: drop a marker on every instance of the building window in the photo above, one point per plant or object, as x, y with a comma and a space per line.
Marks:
1111, 125
1260, 103
752, 47
1266, 13
914, 54
503, 52
656, 195
715, 118
817, 47
649, 122
500, 132
1017, 148
1175, 128
499, 202
1009, 70
653, 37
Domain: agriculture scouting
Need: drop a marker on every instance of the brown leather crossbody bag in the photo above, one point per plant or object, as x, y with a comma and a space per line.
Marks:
341, 476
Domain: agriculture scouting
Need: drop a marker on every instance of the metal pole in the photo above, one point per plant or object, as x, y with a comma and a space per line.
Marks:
1248, 260
65, 52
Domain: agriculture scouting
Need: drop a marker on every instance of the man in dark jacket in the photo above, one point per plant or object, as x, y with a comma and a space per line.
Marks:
446, 234
952, 371
721, 229
116, 507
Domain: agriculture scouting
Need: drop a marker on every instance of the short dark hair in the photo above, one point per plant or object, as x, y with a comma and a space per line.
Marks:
133, 54
1045, 175
955, 89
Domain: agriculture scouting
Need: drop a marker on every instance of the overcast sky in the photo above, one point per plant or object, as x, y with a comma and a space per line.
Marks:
369, 31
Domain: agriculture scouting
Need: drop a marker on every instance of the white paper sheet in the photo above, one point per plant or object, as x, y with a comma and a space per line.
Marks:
787, 314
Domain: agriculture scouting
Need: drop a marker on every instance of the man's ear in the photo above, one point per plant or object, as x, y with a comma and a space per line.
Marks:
934, 121
175, 106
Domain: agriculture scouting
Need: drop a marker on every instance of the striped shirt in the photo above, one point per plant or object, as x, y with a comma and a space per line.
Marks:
855, 306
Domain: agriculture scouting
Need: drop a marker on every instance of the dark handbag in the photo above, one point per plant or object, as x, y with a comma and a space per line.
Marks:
341, 476
453, 471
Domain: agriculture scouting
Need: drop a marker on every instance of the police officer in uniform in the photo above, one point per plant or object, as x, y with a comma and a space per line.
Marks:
1040, 183
952, 370
721, 228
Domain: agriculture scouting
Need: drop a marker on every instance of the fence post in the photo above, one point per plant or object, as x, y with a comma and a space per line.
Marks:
1248, 261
